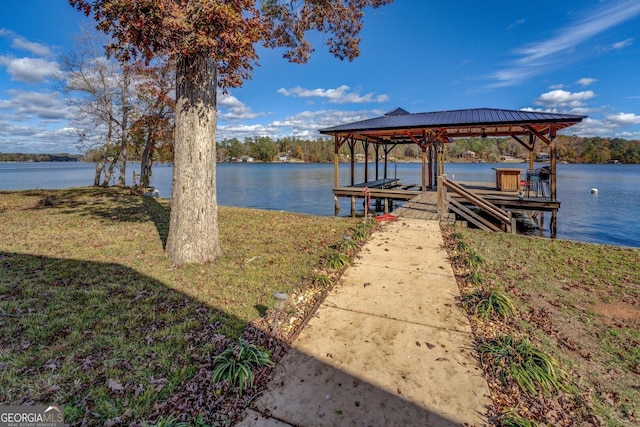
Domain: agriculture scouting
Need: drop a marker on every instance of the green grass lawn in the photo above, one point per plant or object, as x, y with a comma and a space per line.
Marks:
95, 317
578, 303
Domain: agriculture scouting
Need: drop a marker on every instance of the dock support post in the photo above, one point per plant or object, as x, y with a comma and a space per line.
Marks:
553, 224
424, 168
441, 192
353, 206
512, 220
386, 206
336, 206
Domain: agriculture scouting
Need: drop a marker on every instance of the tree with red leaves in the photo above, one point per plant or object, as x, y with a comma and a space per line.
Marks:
213, 44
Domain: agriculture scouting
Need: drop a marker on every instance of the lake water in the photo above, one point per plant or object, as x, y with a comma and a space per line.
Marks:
610, 216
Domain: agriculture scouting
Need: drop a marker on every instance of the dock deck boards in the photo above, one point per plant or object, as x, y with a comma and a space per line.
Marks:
423, 206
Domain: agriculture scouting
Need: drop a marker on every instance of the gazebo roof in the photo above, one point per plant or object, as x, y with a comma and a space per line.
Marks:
400, 126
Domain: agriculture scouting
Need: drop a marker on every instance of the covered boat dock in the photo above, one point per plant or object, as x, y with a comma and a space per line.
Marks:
473, 202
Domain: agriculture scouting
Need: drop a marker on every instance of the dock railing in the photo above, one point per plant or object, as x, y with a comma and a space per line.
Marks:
447, 204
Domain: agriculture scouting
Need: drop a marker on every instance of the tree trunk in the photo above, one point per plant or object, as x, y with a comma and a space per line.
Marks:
110, 169
147, 160
107, 173
100, 164
193, 222
124, 123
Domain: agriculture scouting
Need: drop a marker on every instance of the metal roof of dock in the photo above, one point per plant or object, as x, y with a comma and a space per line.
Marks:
400, 126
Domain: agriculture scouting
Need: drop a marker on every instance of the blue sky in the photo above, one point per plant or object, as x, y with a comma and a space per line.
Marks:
575, 56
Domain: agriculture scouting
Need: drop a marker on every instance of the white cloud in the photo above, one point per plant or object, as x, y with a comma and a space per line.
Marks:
30, 70
30, 139
613, 125
234, 108
339, 95
624, 119
302, 125
516, 23
562, 99
586, 81
539, 57
628, 135
24, 106
34, 48
621, 45
19, 42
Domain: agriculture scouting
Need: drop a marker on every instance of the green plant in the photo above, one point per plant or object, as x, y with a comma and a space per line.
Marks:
521, 361
338, 260
462, 246
348, 245
456, 235
474, 260
485, 303
321, 279
475, 277
170, 421
362, 231
236, 363
511, 420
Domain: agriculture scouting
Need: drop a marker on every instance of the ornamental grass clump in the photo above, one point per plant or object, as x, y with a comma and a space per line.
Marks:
488, 303
510, 420
338, 260
474, 260
348, 244
363, 230
237, 362
475, 277
522, 362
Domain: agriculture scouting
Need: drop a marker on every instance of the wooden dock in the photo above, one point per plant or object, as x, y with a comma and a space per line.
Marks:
422, 206
506, 205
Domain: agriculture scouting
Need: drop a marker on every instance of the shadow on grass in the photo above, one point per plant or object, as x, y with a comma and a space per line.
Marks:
130, 208
119, 347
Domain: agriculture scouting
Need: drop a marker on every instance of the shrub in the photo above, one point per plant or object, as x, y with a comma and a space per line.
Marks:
237, 362
348, 245
474, 260
362, 231
338, 260
475, 277
519, 360
510, 420
321, 280
463, 246
485, 303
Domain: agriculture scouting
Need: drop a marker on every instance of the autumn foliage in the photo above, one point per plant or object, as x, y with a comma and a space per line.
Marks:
228, 31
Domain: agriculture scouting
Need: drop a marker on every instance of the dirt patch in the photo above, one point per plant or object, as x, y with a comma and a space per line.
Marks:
619, 311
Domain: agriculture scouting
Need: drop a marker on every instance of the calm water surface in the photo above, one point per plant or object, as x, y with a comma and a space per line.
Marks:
610, 216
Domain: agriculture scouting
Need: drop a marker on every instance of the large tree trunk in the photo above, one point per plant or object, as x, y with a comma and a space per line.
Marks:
193, 222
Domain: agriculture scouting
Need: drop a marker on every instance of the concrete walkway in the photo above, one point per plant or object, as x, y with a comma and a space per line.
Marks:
388, 347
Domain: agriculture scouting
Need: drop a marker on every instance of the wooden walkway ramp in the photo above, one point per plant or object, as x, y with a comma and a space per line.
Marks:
422, 206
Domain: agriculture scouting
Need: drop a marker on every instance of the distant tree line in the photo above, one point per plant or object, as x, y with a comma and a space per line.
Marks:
22, 157
571, 149
266, 149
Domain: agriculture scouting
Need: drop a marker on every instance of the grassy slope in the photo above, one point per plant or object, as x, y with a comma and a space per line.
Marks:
93, 316
577, 302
